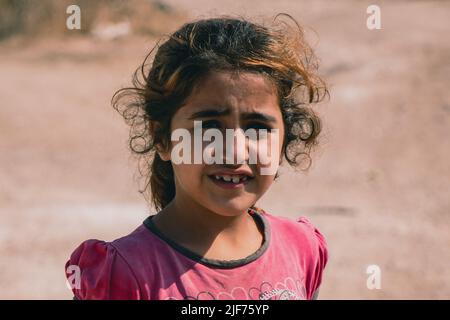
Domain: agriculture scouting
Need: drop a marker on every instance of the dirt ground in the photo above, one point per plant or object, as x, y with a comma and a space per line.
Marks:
378, 188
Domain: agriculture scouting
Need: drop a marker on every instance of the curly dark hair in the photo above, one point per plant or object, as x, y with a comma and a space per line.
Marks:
278, 51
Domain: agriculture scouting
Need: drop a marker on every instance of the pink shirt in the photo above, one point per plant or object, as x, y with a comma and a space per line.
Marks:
147, 265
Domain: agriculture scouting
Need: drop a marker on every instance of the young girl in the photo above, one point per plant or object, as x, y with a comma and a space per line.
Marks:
208, 240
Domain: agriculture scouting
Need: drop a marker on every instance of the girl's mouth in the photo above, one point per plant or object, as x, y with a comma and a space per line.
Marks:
230, 181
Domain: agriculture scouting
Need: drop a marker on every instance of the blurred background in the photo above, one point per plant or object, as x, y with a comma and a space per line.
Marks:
378, 187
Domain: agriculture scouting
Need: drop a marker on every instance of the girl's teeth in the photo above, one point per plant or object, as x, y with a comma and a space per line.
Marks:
234, 179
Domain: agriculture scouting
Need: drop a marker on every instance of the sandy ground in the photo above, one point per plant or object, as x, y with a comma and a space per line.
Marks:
378, 188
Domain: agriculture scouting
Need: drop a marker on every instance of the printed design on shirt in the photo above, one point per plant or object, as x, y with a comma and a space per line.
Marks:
289, 289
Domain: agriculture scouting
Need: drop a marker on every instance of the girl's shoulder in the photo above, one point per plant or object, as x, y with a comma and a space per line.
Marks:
299, 232
99, 269
300, 239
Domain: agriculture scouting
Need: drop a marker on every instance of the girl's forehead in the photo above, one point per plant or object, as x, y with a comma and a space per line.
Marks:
224, 90
222, 82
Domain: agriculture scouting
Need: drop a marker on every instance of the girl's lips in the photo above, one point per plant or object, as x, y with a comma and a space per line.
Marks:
247, 173
230, 184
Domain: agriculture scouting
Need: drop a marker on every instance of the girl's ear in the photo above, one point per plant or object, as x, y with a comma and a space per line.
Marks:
160, 149
163, 153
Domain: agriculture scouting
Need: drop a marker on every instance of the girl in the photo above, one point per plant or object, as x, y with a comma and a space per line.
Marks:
208, 240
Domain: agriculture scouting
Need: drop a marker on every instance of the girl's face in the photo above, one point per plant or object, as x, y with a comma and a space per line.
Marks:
222, 101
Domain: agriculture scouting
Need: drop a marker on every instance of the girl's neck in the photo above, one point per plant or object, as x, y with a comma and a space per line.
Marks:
202, 230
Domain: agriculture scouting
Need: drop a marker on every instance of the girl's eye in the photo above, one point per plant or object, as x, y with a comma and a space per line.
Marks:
210, 124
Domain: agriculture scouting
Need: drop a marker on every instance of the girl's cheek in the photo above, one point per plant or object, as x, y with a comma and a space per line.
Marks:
269, 153
188, 175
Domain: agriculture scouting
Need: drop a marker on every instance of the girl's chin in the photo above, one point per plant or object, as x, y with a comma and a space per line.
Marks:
230, 207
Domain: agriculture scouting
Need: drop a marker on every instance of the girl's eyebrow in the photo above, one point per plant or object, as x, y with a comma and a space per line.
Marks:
211, 113
258, 116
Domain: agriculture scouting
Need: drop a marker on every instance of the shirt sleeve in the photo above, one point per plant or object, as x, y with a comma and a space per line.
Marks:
319, 258
102, 273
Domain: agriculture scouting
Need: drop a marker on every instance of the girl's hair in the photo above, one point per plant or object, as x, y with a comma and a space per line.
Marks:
278, 52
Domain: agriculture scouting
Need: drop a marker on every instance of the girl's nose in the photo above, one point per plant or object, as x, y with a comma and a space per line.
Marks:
236, 147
